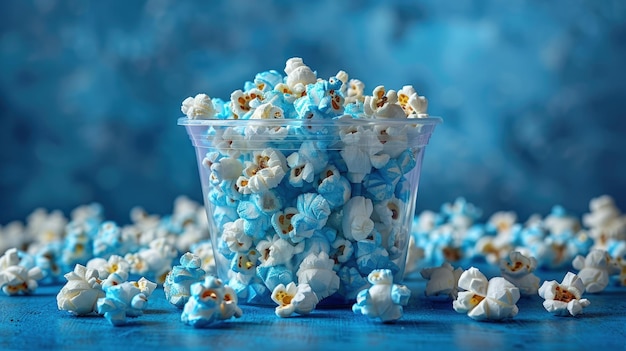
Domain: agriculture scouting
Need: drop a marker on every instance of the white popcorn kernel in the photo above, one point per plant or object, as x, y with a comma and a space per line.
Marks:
442, 281
484, 299
294, 299
198, 107
566, 298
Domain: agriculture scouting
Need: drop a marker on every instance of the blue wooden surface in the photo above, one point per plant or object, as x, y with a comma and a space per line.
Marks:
34, 322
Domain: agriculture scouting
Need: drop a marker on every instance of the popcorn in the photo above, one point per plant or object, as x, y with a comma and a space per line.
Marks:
114, 265
177, 285
605, 221
595, 269
204, 250
357, 224
317, 271
43, 227
198, 107
16, 279
266, 171
294, 299
78, 242
566, 298
211, 301
412, 103
442, 281
277, 251
559, 221
299, 75
361, 152
617, 251
370, 255
313, 212
383, 300
493, 299
109, 240
383, 104
128, 299
13, 235
518, 269
80, 294
334, 187
48, 258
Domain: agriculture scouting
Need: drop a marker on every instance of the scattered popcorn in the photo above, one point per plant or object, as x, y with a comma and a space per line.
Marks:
442, 281
80, 294
493, 299
595, 269
564, 299
294, 299
383, 299
518, 269
177, 285
16, 279
211, 301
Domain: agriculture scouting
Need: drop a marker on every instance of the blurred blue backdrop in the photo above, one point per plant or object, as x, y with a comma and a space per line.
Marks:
532, 93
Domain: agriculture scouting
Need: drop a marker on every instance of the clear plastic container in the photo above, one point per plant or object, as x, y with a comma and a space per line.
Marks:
322, 202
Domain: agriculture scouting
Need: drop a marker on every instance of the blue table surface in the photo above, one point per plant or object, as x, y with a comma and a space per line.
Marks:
34, 322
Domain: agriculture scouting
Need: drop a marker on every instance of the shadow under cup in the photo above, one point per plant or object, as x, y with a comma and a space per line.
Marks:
322, 202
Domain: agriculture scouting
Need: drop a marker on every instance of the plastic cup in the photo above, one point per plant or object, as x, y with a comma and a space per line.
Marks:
322, 202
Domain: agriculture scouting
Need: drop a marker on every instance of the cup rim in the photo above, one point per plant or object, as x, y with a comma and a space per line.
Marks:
341, 122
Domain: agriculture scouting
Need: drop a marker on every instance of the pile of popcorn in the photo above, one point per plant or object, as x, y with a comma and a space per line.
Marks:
312, 187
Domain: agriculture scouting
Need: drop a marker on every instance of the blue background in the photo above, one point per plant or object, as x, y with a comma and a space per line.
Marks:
532, 94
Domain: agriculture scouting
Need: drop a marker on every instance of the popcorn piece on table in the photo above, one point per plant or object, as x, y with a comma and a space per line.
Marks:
493, 299
566, 298
493, 248
442, 281
291, 299
80, 294
560, 221
154, 261
384, 299
595, 269
128, 299
113, 270
177, 286
16, 279
108, 241
78, 243
605, 221
204, 250
211, 301
43, 227
13, 235
518, 269
617, 250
